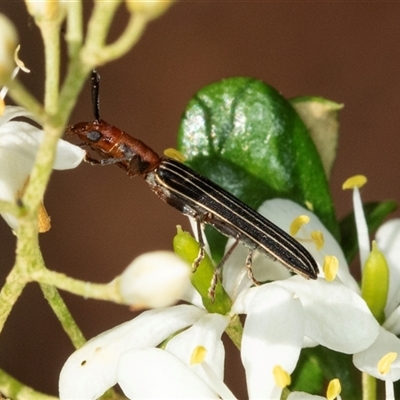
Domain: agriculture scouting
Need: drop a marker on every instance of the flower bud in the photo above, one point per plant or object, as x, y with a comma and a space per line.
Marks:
46, 9
8, 44
152, 9
375, 283
156, 279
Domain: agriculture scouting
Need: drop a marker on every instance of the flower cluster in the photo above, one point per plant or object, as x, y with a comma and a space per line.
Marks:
282, 317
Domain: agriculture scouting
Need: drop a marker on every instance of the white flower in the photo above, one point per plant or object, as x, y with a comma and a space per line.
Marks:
156, 279
19, 143
288, 314
127, 355
282, 317
387, 343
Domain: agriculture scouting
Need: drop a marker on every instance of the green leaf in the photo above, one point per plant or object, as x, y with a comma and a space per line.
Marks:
321, 118
243, 135
375, 214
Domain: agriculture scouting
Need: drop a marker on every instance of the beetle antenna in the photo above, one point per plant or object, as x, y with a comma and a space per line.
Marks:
95, 95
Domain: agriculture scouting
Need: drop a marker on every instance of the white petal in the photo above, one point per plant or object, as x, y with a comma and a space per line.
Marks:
156, 279
192, 296
362, 228
368, 359
206, 332
243, 302
157, 374
392, 323
12, 112
273, 335
68, 155
336, 317
91, 370
282, 212
235, 274
19, 143
304, 396
388, 240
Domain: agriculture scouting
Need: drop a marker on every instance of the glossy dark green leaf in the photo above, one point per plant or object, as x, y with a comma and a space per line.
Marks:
246, 137
375, 214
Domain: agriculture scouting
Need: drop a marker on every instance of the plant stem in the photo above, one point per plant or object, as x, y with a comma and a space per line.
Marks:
74, 35
16, 390
368, 387
9, 294
51, 38
64, 316
108, 292
235, 331
10, 208
98, 28
23, 98
133, 32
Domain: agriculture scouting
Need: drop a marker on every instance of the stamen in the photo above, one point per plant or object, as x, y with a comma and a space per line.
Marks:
354, 181
330, 267
215, 382
309, 205
198, 355
19, 62
385, 363
282, 378
174, 154
43, 219
298, 223
318, 238
2, 106
334, 389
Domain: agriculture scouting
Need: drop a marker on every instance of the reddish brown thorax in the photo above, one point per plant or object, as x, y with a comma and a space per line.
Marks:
114, 146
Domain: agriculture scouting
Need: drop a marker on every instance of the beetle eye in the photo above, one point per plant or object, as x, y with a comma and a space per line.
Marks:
94, 136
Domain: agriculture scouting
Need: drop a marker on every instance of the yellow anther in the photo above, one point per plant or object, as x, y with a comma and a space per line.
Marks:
19, 62
282, 378
330, 267
174, 154
43, 219
309, 205
198, 355
318, 238
385, 363
354, 181
2, 106
298, 223
334, 389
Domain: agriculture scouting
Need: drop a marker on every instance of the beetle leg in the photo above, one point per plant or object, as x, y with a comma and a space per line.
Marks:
249, 262
200, 238
218, 271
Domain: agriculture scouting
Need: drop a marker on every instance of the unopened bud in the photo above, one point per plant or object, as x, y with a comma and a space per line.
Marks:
156, 279
152, 9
